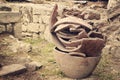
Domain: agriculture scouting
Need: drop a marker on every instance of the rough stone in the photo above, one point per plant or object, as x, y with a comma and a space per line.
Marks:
33, 66
9, 17
20, 46
37, 10
35, 36
18, 30
41, 35
9, 28
47, 35
36, 18
107, 49
26, 13
33, 27
114, 12
112, 3
5, 8
117, 52
90, 14
45, 19
26, 34
2, 28
12, 69
42, 28
24, 28
25, 20
41, 9
23, 59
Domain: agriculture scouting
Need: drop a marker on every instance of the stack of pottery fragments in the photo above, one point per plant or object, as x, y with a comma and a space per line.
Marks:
78, 45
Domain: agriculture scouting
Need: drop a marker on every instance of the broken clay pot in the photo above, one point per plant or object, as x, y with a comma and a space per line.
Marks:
76, 66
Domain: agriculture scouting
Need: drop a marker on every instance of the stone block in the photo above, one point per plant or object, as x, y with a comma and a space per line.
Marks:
41, 9
24, 28
37, 10
9, 28
35, 18
2, 28
26, 13
26, 34
42, 27
25, 20
33, 66
35, 36
10, 17
47, 35
12, 69
45, 19
90, 14
41, 35
40, 20
5, 8
33, 27
18, 30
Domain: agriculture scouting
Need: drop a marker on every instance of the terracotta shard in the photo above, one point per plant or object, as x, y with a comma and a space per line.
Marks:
92, 46
74, 43
64, 26
71, 35
71, 20
53, 18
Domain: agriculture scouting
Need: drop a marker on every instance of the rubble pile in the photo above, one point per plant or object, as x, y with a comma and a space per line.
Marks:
83, 14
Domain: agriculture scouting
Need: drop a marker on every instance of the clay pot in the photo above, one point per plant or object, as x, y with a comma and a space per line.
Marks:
75, 66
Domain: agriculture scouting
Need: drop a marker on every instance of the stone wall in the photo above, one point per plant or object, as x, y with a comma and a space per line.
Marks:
35, 18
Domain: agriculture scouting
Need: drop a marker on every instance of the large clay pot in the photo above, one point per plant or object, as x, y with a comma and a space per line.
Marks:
75, 66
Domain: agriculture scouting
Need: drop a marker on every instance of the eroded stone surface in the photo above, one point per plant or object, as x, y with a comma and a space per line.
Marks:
33, 66
12, 69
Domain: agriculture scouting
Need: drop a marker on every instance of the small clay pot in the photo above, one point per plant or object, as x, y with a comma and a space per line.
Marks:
75, 66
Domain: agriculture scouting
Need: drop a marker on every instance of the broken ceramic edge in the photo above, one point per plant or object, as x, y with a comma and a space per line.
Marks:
82, 47
92, 46
77, 54
76, 29
64, 26
82, 26
70, 43
78, 35
53, 17
71, 20
94, 34
66, 49
74, 53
